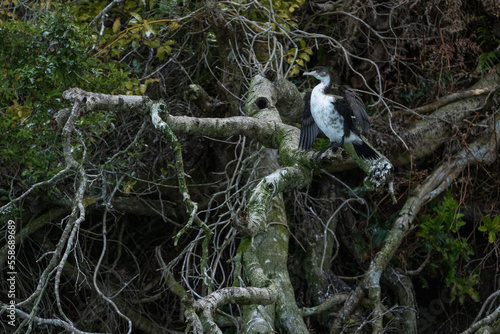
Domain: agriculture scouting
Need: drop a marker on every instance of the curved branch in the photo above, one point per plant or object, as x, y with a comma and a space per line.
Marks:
422, 137
483, 151
270, 186
485, 322
233, 295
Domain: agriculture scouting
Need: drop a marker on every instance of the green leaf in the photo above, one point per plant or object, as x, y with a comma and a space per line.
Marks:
308, 51
160, 53
116, 25
149, 29
167, 46
153, 44
136, 16
295, 70
474, 295
174, 26
492, 237
486, 220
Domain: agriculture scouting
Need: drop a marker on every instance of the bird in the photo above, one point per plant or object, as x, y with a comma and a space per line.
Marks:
342, 119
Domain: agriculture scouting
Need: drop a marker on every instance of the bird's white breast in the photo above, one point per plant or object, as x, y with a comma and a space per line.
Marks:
325, 115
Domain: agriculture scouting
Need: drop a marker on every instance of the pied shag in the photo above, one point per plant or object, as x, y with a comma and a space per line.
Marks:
340, 119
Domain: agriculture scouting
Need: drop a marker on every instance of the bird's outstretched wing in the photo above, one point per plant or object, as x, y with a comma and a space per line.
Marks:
309, 130
357, 106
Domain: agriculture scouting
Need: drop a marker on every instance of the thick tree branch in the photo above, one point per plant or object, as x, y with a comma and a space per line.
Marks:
270, 186
430, 133
233, 295
483, 151
268, 252
96, 101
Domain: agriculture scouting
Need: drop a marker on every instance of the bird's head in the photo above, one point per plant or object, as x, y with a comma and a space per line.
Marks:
320, 73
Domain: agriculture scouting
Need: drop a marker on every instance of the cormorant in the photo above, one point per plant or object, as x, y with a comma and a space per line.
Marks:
340, 119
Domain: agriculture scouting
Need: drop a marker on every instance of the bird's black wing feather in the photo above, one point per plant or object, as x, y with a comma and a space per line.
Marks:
357, 106
309, 130
345, 111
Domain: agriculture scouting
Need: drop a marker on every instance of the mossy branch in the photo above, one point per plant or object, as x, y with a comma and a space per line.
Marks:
191, 206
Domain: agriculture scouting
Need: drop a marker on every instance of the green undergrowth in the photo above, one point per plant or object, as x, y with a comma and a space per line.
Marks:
440, 232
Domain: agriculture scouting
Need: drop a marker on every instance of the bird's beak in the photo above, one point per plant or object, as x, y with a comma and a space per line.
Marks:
309, 73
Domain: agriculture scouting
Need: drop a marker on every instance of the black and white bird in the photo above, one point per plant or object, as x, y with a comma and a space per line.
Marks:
342, 119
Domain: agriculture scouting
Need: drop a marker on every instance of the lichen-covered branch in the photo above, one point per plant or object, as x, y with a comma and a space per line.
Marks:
191, 206
264, 255
67, 239
489, 324
434, 129
482, 151
207, 306
95, 101
270, 186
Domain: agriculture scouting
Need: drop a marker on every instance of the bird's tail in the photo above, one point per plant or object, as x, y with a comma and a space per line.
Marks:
364, 151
